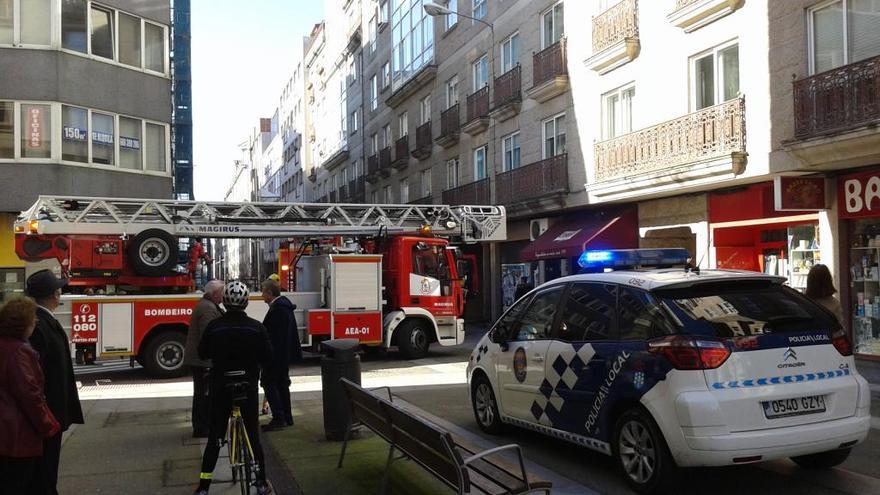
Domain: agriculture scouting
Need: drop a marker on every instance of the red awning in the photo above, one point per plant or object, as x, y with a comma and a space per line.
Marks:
570, 239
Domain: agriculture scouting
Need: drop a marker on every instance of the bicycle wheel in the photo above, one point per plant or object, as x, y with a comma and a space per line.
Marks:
246, 461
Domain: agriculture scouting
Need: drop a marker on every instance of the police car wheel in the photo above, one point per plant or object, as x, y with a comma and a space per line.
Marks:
485, 405
641, 452
822, 460
412, 339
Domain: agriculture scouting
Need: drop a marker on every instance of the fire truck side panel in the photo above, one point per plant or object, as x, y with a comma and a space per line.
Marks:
119, 337
355, 282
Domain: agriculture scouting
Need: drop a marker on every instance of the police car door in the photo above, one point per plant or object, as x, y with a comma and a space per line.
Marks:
578, 359
519, 363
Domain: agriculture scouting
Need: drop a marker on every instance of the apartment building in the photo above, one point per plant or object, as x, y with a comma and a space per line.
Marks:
85, 105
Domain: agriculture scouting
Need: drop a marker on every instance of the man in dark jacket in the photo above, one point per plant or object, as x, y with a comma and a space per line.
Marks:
206, 311
281, 325
50, 341
523, 288
234, 343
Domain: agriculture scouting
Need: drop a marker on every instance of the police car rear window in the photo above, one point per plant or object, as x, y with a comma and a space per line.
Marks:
735, 309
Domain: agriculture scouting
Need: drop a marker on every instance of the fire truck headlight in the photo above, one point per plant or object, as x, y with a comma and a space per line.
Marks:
34, 226
284, 268
19, 229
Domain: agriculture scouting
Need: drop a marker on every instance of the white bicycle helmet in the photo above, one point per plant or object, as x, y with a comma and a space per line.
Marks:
235, 295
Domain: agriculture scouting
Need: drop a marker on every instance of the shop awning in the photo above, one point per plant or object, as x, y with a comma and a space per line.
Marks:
570, 239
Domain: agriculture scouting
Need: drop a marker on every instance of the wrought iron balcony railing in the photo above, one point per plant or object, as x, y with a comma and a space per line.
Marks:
543, 178
401, 149
838, 99
385, 159
710, 133
475, 193
478, 104
549, 63
615, 24
450, 121
508, 87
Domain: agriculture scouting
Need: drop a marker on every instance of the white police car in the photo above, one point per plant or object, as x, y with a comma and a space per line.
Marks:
668, 367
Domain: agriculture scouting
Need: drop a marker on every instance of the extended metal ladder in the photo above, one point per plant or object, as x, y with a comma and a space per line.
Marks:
66, 215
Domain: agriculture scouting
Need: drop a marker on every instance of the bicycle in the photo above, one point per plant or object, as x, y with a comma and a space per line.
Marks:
241, 454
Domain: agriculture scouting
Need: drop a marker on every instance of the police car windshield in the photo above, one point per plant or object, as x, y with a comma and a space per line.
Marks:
743, 308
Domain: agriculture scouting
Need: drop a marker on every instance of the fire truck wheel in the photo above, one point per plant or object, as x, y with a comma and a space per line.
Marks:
153, 252
163, 356
413, 338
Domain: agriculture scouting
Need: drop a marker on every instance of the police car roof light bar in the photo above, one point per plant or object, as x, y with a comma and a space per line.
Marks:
632, 258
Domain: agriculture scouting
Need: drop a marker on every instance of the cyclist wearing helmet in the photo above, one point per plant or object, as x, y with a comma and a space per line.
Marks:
234, 343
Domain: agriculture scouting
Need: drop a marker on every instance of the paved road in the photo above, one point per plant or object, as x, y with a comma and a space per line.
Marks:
436, 384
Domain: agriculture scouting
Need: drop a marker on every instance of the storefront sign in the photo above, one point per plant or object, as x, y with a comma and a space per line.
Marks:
74, 134
799, 193
105, 138
129, 143
858, 195
35, 128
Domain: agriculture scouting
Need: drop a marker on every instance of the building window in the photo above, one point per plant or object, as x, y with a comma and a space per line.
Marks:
155, 152
352, 70
510, 52
716, 76
374, 93
404, 191
129, 40
374, 144
371, 32
354, 122
452, 173
130, 155
425, 182
481, 72
842, 33
386, 74
387, 195
552, 25
412, 41
386, 136
34, 22
154, 47
452, 91
374, 197
510, 146
554, 136
102, 32
617, 109
7, 30
480, 8
403, 124
451, 19
425, 108
480, 163
36, 131
74, 134
383, 11
7, 129
103, 144
73, 25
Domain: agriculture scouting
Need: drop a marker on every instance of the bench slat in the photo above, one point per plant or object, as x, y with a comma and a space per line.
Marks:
426, 444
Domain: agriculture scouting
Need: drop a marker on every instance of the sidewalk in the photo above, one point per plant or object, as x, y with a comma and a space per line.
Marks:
140, 447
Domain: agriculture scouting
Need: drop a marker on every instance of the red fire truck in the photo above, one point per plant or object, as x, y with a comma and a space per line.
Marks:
390, 279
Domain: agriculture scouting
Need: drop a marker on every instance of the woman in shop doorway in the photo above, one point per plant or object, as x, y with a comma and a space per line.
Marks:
820, 288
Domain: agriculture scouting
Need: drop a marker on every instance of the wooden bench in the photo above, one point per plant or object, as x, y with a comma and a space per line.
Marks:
462, 467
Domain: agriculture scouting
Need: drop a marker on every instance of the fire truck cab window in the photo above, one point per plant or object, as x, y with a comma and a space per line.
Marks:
430, 261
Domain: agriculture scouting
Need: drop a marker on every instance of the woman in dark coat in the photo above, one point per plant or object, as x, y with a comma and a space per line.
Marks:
25, 418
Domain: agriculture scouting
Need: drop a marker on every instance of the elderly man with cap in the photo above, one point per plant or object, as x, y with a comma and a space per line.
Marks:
50, 341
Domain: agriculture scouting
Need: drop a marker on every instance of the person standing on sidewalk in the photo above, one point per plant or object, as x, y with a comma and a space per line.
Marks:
50, 341
234, 343
820, 288
25, 419
280, 322
206, 311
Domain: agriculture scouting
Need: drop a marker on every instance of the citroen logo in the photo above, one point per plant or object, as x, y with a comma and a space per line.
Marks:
789, 354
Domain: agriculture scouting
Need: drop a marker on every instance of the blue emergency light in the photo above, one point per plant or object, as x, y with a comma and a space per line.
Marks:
632, 258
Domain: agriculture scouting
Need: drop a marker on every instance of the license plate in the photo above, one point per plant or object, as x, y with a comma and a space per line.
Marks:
784, 408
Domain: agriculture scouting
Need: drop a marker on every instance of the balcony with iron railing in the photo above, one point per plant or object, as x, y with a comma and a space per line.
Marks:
385, 161
686, 150
477, 112
401, 152
615, 37
507, 98
836, 116
373, 175
450, 126
549, 72
424, 142
343, 193
475, 193
332, 197
543, 180
691, 15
